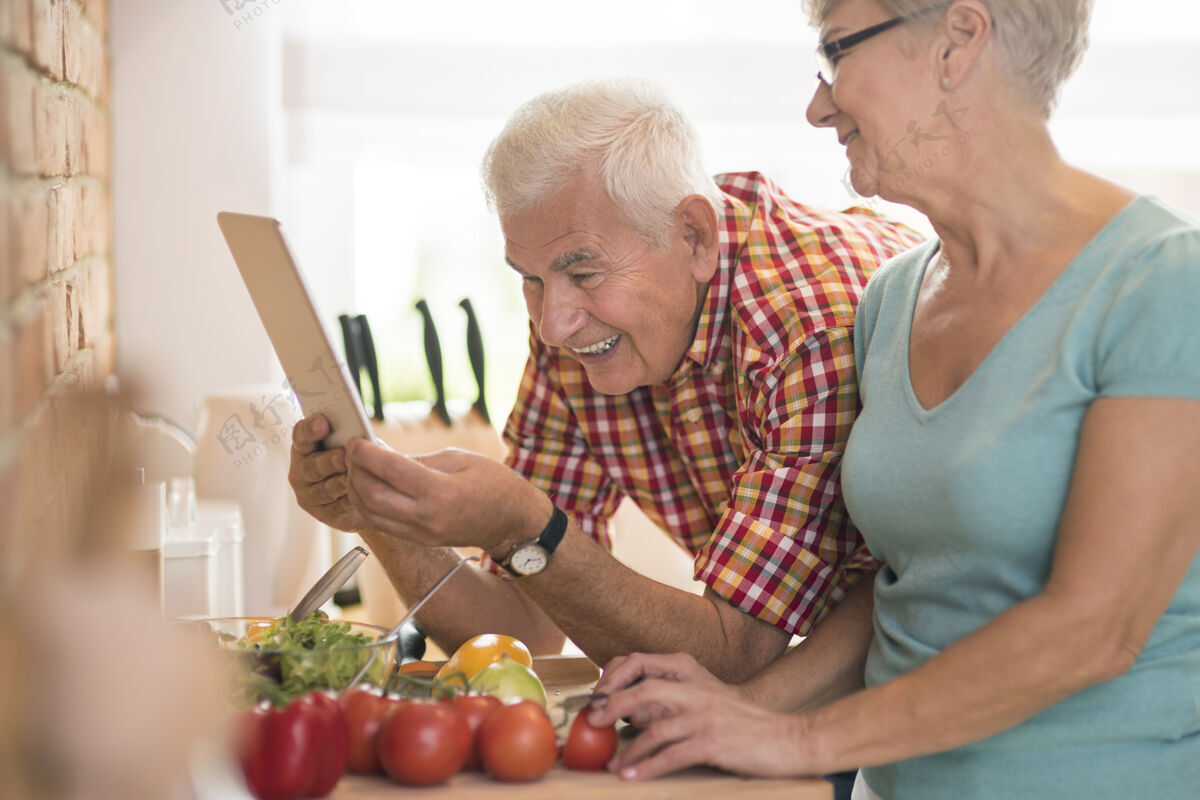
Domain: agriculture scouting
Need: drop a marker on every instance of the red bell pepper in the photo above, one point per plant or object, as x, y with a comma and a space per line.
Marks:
296, 751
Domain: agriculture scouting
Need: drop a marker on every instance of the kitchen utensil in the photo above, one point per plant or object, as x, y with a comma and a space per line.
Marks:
575, 702
360, 355
475, 354
433, 356
327, 584
371, 363
352, 344
412, 611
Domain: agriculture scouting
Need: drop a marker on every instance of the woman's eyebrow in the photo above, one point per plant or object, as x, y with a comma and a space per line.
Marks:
830, 35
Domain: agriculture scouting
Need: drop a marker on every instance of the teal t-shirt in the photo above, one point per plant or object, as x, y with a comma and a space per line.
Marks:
961, 504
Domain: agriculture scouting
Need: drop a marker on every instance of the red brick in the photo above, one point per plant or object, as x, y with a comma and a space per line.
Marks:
20, 29
31, 210
86, 308
34, 357
96, 151
74, 130
85, 60
94, 223
65, 297
48, 36
71, 17
50, 111
96, 12
65, 202
18, 111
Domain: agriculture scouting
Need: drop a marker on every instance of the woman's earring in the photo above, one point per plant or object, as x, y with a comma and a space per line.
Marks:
945, 81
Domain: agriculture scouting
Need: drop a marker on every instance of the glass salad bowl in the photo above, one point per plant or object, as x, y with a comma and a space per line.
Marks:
276, 659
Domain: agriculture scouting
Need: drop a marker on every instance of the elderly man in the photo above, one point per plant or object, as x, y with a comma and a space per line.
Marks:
691, 349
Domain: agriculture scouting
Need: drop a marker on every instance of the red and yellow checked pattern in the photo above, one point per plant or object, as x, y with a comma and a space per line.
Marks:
737, 456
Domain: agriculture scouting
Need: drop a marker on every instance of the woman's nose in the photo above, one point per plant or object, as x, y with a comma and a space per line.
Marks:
821, 109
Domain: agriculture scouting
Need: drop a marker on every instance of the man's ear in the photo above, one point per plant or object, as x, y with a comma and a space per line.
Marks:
701, 235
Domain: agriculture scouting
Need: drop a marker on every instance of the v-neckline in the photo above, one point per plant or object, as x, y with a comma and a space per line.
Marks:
1054, 288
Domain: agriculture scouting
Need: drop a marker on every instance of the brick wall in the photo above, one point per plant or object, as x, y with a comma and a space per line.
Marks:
56, 284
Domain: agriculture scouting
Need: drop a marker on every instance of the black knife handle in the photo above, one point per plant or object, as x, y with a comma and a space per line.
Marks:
475, 354
433, 357
353, 348
367, 341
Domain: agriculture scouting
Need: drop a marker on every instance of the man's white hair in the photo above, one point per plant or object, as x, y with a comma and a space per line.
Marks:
641, 145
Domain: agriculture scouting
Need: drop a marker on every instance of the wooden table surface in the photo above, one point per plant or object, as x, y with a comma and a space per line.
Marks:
564, 676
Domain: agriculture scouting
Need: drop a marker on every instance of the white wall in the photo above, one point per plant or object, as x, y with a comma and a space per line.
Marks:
194, 91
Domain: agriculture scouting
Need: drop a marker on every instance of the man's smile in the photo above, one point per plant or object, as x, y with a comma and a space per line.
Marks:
603, 346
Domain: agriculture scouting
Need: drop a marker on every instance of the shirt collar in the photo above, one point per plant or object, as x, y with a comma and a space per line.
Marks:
710, 349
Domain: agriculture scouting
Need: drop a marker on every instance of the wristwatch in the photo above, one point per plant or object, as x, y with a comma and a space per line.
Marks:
530, 558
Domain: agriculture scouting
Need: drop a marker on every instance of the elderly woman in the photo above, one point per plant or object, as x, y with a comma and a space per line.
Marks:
1025, 465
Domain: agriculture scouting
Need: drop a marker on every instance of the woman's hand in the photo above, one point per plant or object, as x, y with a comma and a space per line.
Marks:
624, 672
704, 722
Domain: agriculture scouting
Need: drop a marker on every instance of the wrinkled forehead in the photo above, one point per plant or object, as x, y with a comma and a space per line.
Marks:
579, 211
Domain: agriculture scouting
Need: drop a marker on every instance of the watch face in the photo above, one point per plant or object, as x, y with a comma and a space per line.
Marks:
529, 560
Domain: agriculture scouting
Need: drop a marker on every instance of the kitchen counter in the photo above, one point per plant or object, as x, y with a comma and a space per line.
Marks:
564, 676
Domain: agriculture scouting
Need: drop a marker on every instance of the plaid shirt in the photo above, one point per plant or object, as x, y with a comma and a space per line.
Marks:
737, 456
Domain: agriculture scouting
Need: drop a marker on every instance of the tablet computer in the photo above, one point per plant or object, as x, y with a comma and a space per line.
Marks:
313, 368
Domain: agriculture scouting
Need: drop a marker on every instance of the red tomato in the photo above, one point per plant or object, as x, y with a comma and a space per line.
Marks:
365, 709
588, 747
518, 742
279, 750
335, 744
423, 743
475, 708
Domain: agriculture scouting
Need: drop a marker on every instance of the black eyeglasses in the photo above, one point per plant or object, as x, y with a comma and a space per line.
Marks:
830, 53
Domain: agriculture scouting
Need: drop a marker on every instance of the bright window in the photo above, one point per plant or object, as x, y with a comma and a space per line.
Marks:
389, 107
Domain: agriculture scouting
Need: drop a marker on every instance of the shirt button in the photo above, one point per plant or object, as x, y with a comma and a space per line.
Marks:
692, 416
718, 370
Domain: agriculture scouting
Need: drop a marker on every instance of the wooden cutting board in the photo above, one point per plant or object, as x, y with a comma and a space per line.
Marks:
564, 676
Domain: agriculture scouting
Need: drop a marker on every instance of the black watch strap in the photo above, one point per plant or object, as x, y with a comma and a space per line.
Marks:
548, 539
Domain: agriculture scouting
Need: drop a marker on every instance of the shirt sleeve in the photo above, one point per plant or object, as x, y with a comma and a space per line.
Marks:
1150, 342
785, 550
546, 446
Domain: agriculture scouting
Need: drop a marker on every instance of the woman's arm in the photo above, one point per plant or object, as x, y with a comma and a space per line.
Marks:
1135, 480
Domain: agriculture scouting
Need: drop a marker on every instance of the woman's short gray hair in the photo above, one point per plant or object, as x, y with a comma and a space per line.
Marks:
1039, 41
645, 150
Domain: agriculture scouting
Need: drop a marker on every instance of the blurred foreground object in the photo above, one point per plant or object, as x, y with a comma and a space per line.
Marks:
101, 698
